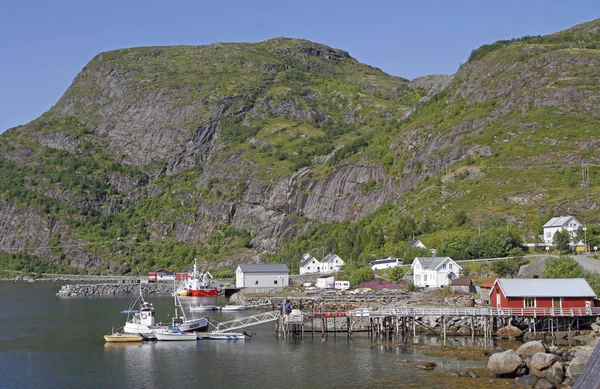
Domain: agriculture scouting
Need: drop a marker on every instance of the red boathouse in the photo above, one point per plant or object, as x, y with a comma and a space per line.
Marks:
557, 293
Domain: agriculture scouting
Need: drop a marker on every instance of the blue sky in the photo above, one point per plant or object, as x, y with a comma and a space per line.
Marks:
44, 44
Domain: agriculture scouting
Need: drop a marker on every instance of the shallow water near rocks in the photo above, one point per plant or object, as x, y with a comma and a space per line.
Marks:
52, 342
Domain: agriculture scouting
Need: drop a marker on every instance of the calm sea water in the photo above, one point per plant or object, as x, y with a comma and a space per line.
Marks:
52, 342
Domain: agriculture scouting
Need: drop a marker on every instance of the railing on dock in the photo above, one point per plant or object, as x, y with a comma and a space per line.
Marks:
490, 312
247, 321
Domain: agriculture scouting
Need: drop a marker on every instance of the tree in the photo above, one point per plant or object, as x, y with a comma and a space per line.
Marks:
561, 240
563, 267
396, 273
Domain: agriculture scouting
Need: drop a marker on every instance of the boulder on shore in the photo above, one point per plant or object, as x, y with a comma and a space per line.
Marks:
509, 332
526, 350
542, 361
506, 363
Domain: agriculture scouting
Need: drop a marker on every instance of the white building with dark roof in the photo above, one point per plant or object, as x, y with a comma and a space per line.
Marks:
262, 276
568, 223
331, 263
415, 243
432, 272
309, 265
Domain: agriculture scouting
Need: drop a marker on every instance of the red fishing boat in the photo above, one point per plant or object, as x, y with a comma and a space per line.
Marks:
200, 284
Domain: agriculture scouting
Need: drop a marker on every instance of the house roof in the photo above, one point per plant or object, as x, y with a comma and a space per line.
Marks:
462, 281
160, 270
385, 260
414, 243
306, 259
432, 263
265, 268
488, 284
330, 258
559, 221
545, 287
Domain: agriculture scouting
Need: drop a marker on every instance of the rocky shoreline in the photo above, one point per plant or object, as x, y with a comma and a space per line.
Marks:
533, 365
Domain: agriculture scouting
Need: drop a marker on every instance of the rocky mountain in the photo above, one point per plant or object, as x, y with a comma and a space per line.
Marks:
235, 152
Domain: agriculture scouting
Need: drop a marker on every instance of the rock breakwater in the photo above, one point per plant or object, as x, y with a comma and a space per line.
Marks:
114, 289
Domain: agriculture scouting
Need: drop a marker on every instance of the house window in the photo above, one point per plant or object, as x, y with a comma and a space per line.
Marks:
308, 268
256, 282
444, 266
529, 302
450, 266
275, 282
425, 277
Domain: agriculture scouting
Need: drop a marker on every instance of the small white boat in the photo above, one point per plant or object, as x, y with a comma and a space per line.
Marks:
174, 334
233, 308
202, 308
224, 336
121, 337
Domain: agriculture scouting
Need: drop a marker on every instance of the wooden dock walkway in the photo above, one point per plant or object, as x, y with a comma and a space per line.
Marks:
406, 320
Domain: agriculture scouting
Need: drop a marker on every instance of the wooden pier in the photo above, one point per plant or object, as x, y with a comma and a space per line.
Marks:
405, 321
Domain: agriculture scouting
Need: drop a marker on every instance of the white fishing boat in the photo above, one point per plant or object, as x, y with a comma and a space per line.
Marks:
142, 321
202, 308
175, 334
224, 336
233, 308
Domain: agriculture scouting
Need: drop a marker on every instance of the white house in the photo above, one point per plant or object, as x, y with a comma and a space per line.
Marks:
386, 263
262, 276
415, 243
331, 263
556, 224
325, 282
434, 271
309, 265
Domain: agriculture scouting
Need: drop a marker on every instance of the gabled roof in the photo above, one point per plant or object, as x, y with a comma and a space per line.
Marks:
306, 259
433, 263
559, 221
265, 268
414, 243
462, 281
545, 287
385, 260
488, 284
330, 258
161, 270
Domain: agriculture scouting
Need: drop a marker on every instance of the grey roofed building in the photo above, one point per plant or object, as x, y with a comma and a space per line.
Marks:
415, 243
558, 221
330, 258
306, 258
264, 268
545, 287
432, 263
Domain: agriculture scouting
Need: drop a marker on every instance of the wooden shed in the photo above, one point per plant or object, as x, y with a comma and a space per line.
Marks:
542, 293
484, 290
462, 285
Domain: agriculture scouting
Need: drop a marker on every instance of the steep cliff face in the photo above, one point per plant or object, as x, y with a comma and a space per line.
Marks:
228, 151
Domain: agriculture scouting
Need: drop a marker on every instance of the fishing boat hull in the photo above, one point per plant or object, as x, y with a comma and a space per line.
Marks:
123, 338
202, 308
224, 336
209, 292
193, 325
233, 308
175, 336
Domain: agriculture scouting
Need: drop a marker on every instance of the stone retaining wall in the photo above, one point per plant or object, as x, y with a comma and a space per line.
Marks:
82, 290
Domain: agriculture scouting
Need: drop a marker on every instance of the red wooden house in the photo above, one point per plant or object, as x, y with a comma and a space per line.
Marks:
161, 274
542, 293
